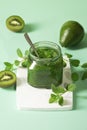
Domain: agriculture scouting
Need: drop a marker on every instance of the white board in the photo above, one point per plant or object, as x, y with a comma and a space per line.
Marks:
30, 98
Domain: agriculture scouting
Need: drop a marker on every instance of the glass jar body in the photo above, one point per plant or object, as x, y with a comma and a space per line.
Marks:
42, 72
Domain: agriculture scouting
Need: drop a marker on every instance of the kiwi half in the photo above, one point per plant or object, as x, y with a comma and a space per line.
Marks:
7, 78
15, 23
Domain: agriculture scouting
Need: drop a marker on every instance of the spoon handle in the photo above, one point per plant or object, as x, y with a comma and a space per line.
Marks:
31, 44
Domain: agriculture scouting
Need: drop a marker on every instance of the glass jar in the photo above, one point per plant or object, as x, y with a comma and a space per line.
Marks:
46, 69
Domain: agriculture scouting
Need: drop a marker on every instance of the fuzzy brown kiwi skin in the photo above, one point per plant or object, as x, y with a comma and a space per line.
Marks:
7, 82
13, 27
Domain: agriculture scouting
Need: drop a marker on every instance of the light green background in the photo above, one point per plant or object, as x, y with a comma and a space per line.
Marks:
44, 19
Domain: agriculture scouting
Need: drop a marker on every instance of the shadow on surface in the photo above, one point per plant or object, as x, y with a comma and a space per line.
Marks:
30, 27
10, 88
81, 45
80, 94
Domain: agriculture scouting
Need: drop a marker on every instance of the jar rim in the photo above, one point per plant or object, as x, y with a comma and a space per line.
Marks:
53, 45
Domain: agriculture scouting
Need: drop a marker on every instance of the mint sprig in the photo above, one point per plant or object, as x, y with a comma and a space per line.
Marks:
8, 66
76, 63
57, 93
22, 62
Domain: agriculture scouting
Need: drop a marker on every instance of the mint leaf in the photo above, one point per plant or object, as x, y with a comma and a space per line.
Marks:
54, 88
68, 55
71, 87
84, 76
8, 66
84, 65
53, 98
25, 63
61, 89
61, 100
74, 62
75, 76
19, 53
26, 52
58, 89
17, 62
7, 63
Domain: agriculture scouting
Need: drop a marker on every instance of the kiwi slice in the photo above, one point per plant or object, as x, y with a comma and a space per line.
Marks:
15, 23
7, 78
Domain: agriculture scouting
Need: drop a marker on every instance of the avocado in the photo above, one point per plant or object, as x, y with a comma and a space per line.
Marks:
15, 23
7, 78
71, 33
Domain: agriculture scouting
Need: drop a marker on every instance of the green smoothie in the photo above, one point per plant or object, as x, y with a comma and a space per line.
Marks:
47, 69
